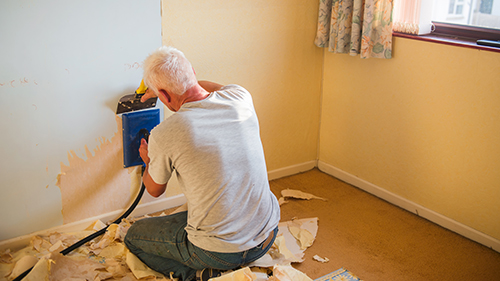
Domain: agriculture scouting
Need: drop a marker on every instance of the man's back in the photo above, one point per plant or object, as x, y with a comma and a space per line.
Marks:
214, 146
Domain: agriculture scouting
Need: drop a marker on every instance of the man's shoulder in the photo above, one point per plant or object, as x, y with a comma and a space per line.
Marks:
235, 92
234, 87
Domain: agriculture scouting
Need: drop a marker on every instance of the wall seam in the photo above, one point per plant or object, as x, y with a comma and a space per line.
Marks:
318, 143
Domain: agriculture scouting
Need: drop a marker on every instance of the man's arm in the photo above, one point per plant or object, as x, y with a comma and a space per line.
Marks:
210, 86
151, 186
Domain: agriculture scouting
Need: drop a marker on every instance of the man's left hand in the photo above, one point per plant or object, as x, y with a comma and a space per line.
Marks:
147, 95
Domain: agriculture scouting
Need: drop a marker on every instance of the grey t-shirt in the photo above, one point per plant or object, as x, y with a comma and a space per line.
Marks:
214, 147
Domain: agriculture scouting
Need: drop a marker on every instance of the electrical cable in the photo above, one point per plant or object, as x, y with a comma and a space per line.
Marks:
102, 231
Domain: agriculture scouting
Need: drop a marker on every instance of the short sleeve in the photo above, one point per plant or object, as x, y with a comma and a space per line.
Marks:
160, 168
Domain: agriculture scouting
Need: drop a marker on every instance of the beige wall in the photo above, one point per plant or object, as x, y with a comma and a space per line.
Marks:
265, 46
424, 125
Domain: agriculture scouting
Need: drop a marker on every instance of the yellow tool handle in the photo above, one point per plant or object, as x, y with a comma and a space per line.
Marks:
142, 88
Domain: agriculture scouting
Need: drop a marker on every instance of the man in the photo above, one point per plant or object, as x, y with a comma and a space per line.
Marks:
212, 143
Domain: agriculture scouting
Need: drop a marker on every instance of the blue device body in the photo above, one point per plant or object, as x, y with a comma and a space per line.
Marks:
132, 123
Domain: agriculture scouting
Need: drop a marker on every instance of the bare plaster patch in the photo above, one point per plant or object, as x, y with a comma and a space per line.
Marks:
99, 184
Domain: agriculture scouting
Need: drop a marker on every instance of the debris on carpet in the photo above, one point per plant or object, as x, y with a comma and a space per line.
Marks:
320, 259
107, 257
289, 248
279, 273
296, 194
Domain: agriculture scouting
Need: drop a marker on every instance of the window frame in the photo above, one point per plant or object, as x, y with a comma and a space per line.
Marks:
466, 31
457, 35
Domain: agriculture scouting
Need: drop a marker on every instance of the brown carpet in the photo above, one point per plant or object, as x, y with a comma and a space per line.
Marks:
376, 240
379, 241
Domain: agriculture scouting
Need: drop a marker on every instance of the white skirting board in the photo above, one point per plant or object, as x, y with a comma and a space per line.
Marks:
412, 207
140, 210
292, 170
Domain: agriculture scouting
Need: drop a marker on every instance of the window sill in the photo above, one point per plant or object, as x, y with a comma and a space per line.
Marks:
448, 40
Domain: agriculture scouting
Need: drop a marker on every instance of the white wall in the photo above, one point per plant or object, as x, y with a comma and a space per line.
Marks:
64, 65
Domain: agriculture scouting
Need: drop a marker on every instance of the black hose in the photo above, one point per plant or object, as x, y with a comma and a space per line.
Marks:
93, 235
102, 231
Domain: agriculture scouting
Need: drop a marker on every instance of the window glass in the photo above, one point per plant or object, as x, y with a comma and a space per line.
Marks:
482, 13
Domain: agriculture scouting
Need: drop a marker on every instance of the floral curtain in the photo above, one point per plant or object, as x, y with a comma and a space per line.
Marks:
354, 27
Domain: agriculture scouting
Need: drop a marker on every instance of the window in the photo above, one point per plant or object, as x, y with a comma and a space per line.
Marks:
468, 23
486, 6
456, 7
481, 13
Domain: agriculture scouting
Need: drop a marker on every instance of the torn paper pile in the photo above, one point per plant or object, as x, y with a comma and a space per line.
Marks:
104, 258
280, 273
107, 257
292, 240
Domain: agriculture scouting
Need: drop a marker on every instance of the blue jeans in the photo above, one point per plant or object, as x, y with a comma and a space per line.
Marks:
162, 244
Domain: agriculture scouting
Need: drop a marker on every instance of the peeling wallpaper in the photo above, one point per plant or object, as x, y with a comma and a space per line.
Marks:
98, 184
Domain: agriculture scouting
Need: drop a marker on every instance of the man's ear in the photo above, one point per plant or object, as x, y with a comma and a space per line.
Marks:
165, 95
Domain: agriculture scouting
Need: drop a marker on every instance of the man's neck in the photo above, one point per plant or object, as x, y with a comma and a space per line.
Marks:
195, 93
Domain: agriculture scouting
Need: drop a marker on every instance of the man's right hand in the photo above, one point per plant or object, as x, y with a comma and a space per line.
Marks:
143, 151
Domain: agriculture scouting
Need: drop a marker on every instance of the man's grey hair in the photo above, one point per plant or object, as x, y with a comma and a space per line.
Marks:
167, 68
